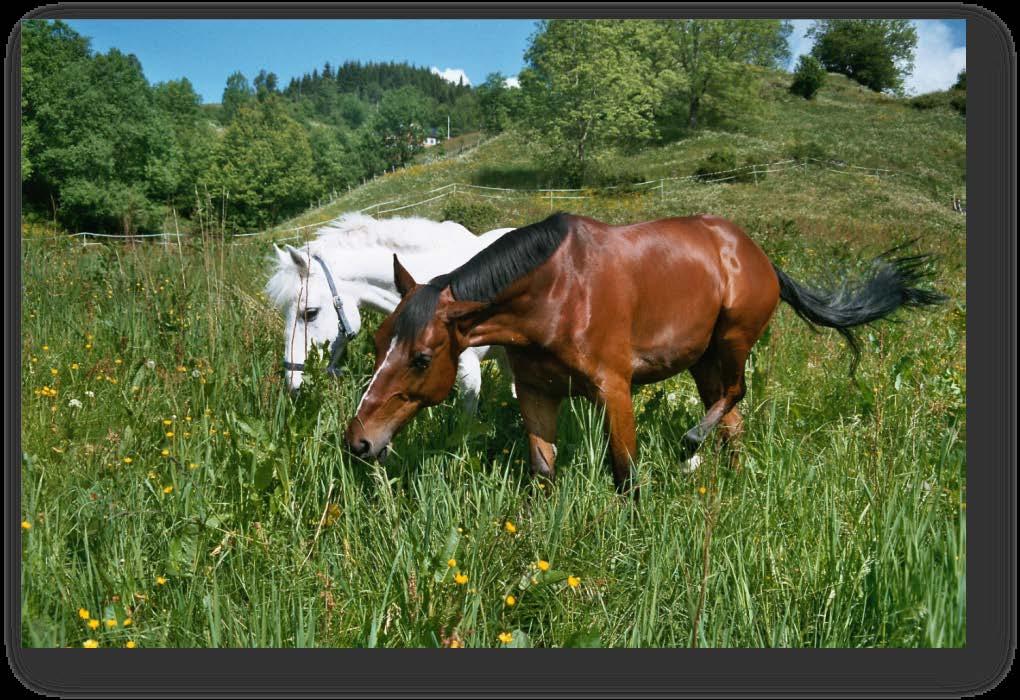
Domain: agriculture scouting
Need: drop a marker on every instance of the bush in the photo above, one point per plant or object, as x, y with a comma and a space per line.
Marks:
478, 217
808, 78
723, 165
806, 151
945, 99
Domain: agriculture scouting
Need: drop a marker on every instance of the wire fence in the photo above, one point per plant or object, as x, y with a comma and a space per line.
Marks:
753, 173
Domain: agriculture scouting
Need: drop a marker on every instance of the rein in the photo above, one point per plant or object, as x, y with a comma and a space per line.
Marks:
344, 330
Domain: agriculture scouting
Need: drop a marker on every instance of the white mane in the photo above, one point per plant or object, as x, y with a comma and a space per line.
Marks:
355, 230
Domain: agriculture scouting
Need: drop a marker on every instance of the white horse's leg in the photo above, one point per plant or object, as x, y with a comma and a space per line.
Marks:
469, 379
497, 353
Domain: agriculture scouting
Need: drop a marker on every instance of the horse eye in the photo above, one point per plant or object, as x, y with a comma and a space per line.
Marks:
421, 360
310, 315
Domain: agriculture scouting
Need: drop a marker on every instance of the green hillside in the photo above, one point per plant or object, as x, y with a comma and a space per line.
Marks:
846, 123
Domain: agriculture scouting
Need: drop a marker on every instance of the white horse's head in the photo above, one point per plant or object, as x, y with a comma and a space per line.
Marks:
300, 289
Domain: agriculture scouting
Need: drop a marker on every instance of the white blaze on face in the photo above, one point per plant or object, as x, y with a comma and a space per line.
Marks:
368, 390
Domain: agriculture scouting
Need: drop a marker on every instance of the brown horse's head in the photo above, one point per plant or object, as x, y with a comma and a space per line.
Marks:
416, 351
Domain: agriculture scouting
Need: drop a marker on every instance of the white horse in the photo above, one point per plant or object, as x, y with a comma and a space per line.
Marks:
322, 286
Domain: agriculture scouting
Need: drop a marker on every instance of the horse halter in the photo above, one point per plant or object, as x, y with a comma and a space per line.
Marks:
344, 331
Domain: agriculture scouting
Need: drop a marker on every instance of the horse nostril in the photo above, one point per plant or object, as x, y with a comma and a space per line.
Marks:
361, 447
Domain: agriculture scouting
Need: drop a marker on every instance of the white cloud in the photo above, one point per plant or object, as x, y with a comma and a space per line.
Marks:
453, 75
936, 60
512, 82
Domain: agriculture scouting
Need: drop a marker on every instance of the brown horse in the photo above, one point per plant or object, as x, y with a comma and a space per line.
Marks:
585, 308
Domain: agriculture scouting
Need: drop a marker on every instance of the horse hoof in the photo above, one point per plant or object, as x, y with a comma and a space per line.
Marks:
691, 465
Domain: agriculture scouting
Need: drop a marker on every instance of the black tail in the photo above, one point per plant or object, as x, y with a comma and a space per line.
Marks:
889, 284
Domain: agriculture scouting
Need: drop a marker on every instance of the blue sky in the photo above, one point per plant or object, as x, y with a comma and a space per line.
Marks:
207, 51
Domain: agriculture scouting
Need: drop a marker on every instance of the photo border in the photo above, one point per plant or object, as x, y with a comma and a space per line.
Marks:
991, 445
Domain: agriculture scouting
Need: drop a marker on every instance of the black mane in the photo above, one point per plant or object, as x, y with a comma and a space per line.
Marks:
488, 273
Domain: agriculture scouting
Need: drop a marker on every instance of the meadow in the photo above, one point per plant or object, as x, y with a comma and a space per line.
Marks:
174, 494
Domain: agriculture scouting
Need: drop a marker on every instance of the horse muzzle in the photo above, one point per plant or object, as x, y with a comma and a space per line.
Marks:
364, 447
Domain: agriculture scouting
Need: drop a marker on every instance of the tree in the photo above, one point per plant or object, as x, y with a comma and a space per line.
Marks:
961, 80
877, 53
263, 166
585, 87
265, 83
101, 153
707, 59
495, 103
400, 122
236, 93
808, 78
194, 138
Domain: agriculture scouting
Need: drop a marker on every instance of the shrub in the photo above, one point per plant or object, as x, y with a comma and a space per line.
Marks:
478, 217
806, 151
723, 165
945, 99
808, 78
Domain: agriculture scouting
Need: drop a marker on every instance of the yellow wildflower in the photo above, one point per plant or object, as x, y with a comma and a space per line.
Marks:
573, 581
510, 527
93, 624
451, 563
91, 644
128, 460
169, 433
127, 621
53, 371
702, 490
111, 623
167, 421
510, 601
168, 490
542, 565
165, 452
460, 579
83, 613
74, 365
25, 525
130, 645
506, 637
160, 581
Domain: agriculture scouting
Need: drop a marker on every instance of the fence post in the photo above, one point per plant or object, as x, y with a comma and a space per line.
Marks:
754, 170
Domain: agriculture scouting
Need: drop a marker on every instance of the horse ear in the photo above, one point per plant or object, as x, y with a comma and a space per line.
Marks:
299, 258
451, 309
280, 254
402, 278
459, 309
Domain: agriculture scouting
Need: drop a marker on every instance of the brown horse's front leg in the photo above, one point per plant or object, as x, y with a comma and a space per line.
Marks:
539, 412
619, 409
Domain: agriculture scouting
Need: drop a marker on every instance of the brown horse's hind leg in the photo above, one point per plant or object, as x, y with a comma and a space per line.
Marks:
539, 412
719, 375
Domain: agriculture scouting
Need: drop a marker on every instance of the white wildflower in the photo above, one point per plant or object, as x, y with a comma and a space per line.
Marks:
74, 403
91, 394
151, 364
196, 373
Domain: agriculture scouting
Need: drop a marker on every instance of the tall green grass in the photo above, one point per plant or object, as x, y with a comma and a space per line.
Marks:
845, 527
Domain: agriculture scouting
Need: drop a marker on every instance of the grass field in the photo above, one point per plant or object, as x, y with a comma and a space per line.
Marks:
173, 492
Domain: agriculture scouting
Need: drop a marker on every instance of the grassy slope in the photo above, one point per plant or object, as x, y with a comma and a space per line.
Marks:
845, 528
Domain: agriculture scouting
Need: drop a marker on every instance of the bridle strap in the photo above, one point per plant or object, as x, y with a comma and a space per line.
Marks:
345, 331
